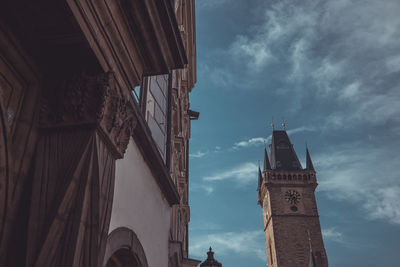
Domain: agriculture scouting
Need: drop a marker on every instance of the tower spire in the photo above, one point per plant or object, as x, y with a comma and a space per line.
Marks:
309, 164
260, 178
283, 123
272, 123
210, 261
267, 164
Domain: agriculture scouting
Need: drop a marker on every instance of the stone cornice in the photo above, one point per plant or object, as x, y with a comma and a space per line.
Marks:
131, 37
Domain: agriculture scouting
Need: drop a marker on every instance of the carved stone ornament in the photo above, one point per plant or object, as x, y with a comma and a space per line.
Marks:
91, 101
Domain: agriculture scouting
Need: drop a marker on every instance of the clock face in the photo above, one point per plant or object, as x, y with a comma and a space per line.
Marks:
293, 197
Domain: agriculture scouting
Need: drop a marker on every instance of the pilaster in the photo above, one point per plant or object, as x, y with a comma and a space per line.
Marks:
85, 127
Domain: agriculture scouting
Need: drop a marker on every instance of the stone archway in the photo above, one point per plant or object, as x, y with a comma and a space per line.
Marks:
124, 249
123, 258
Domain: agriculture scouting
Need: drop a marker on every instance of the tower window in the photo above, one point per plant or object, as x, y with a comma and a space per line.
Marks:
279, 177
289, 177
270, 253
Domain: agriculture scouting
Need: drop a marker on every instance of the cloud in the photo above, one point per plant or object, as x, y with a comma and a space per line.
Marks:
256, 141
301, 129
196, 187
338, 54
248, 243
365, 175
198, 154
210, 3
385, 204
220, 76
243, 174
257, 53
333, 235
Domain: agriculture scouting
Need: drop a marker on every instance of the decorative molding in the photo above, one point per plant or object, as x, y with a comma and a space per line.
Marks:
92, 101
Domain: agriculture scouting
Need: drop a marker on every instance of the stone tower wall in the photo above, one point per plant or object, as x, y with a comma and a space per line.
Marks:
290, 233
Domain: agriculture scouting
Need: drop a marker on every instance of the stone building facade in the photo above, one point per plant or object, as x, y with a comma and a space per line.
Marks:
95, 122
286, 193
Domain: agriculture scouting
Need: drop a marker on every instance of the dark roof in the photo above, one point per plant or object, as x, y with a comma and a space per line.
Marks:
283, 156
309, 164
210, 261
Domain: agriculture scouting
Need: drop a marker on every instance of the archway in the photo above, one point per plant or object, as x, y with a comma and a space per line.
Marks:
123, 258
124, 249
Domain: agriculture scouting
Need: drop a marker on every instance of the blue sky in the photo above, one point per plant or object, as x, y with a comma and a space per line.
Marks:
332, 69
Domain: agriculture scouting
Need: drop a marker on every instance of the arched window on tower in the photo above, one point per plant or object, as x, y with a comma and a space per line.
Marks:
270, 253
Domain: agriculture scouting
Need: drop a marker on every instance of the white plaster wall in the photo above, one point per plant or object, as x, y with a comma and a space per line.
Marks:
139, 205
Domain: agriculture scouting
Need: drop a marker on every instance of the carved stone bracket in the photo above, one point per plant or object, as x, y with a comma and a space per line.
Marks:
91, 101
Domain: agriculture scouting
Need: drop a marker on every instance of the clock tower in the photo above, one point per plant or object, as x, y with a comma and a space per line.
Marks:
286, 194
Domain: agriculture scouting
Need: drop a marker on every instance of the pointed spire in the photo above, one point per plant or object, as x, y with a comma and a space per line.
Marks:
267, 165
309, 164
260, 178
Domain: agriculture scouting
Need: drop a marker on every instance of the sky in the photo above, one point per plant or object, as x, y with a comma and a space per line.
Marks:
332, 70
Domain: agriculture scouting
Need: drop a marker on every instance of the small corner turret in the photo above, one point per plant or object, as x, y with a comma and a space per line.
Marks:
210, 261
309, 164
267, 164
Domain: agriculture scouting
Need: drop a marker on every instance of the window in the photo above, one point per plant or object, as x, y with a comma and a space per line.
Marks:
155, 94
270, 253
136, 94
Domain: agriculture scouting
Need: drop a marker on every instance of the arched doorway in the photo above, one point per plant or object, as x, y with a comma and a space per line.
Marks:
123, 258
124, 249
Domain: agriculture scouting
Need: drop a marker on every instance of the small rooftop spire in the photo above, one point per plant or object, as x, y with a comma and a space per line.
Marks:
260, 178
309, 164
210, 254
283, 123
210, 261
272, 123
267, 164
